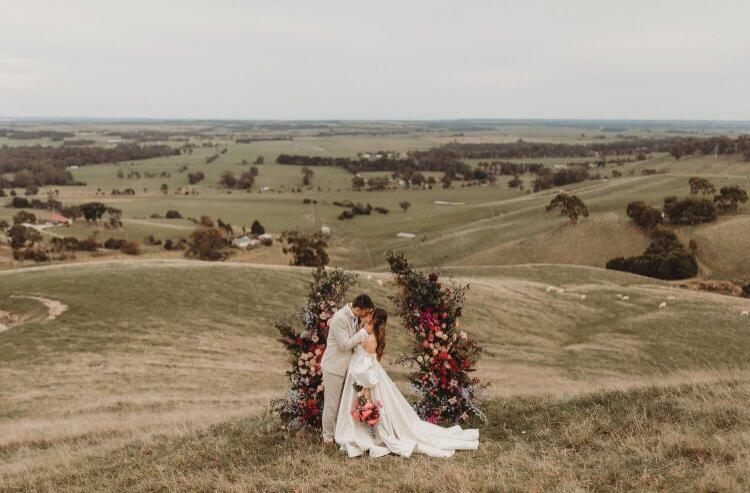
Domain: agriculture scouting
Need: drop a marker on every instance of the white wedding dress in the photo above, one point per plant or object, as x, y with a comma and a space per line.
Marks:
400, 430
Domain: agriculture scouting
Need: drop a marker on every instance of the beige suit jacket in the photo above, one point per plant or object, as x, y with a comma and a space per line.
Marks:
343, 335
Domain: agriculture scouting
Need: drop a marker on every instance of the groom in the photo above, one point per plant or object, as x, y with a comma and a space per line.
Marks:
344, 333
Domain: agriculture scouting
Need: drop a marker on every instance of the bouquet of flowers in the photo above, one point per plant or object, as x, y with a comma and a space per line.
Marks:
365, 411
303, 406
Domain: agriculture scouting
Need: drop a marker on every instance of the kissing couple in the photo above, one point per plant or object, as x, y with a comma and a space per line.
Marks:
363, 410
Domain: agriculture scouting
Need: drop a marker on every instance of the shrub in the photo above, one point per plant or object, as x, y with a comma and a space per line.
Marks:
515, 182
645, 216
20, 203
172, 214
358, 183
266, 241
665, 258
206, 222
307, 249
37, 254
208, 244
381, 210
168, 244
404, 205
114, 244
90, 244
194, 178
131, 247
4, 225
346, 215
746, 290
689, 210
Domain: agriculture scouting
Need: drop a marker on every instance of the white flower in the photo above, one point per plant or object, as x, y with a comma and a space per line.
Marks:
315, 338
420, 359
463, 335
303, 371
439, 333
434, 351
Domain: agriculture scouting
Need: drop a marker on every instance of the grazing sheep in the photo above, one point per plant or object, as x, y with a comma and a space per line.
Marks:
619, 295
369, 277
663, 304
549, 289
745, 313
625, 298
670, 298
583, 296
380, 282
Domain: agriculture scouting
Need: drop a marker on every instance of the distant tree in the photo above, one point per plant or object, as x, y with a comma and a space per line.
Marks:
173, 214
4, 225
20, 236
701, 185
24, 217
418, 179
358, 183
447, 178
246, 181
228, 180
92, 211
164, 188
730, 198
2, 192
405, 205
307, 176
645, 216
257, 228
377, 183
114, 218
569, 205
515, 182
665, 258
194, 178
253, 171
306, 249
206, 222
259, 160
208, 244
72, 212
31, 190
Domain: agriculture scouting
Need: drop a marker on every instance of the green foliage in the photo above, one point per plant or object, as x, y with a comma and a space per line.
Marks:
645, 216
730, 198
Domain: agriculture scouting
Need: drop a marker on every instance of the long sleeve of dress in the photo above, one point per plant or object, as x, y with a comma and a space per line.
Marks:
366, 371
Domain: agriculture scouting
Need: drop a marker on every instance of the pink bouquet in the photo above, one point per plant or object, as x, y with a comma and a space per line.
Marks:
365, 410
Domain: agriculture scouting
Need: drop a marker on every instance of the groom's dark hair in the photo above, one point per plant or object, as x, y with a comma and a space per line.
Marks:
363, 301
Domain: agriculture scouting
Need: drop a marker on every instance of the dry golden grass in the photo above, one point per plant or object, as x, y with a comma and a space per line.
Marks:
193, 345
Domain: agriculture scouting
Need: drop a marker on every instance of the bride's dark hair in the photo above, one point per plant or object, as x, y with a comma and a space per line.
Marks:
379, 320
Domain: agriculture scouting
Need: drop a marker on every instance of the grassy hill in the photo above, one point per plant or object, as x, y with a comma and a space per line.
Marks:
611, 394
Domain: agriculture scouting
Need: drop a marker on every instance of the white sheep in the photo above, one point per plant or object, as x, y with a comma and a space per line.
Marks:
745, 313
583, 297
380, 282
663, 304
625, 298
549, 289
369, 277
671, 298
619, 296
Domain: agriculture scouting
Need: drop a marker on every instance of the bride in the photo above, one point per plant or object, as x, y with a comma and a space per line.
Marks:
399, 430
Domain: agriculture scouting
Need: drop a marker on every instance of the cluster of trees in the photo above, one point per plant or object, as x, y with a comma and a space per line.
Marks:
196, 177
522, 149
645, 216
720, 146
23, 203
560, 178
665, 258
250, 140
54, 135
245, 181
700, 207
210, 243
39, 166
357, 209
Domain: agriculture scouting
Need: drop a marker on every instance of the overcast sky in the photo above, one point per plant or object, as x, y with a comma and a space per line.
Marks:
352, 59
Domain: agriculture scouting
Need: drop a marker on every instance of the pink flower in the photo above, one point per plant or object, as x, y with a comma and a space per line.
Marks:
369, 405
366, 413
373, 422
